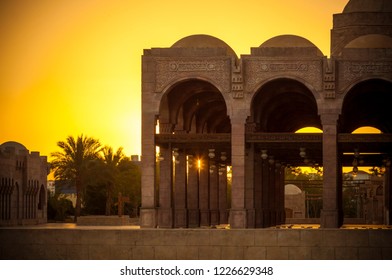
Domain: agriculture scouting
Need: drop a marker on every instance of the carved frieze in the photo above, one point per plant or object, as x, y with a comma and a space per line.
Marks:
329, 79
216, 70
237, 87
193, 138
284, 137
257, 70
350, 71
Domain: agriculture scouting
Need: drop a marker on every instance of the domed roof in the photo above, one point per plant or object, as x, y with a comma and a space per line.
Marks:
357, 6
6, 146
203, 41
291, 189
371, 41
289, 41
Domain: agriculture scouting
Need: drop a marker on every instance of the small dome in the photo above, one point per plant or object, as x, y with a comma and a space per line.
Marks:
11, 145
375, 6
291, 189
203, 41
289, 41
371, 41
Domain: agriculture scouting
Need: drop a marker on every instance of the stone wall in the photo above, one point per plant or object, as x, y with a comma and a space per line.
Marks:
121, 243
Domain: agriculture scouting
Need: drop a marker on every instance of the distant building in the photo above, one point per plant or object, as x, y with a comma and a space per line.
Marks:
23, 185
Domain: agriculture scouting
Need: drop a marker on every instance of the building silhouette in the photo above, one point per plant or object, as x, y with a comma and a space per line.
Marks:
23, 185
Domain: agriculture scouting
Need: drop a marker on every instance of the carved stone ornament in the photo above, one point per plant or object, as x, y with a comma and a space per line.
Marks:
257, 70
216, 70
353, 70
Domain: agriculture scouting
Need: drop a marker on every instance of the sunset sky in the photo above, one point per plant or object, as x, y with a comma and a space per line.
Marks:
74, 66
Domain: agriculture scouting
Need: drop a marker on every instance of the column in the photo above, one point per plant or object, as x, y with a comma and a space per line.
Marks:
331, 216
272, 192
165, 208
223, 208
193, 193
214, 194
180, 214
388, 194
238, 212
282, 212
258, 192
250, 186
265, 202
148, 217
204, 199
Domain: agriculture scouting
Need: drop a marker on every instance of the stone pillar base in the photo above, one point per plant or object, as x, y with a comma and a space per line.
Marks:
237, 218
214, 216
251, 218
223, 216
205, 218
193, 218
165, 218
148, 218
180, 218
329, 219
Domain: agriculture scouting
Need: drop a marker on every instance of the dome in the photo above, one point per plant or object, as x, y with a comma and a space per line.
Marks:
289, 41
291, 189
371, 41
375, 6
11, 145
203, 41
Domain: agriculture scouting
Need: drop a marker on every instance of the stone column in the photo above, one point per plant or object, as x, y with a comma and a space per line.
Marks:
388, 194
282, 211
238, 211
258, 192
165, 210
180, 214
272, 192
331, 213
223, 215
193, 193
265, 202
278, 198
249, 186
214, 194
204, 199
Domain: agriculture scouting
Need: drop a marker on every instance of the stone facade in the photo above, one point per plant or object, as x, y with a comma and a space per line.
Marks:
23, 186
109, 243
225, 126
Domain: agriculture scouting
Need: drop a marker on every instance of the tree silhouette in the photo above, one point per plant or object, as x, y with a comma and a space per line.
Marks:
72, 163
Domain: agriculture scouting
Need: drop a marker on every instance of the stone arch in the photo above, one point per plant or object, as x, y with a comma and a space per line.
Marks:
194, 105
366, 103
279, 98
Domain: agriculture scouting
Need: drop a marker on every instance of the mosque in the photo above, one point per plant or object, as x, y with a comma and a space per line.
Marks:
23, 185
218, 130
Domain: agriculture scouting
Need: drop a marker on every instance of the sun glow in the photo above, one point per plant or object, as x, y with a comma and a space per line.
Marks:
72, 67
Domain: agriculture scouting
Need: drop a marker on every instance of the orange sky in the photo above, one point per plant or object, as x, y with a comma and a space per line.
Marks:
70, 66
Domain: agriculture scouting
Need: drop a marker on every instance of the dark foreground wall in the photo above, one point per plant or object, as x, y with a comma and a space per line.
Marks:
122, 243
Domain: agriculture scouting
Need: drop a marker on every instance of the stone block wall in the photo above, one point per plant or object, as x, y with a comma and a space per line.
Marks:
160, 244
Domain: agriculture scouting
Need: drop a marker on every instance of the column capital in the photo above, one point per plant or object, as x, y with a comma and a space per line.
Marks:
329, 118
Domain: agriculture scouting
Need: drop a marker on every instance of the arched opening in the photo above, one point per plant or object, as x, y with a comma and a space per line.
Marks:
279, 110
284, 105
193, 180
194, 106
364, 142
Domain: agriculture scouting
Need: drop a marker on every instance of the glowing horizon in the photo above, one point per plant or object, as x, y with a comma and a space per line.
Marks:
74, 67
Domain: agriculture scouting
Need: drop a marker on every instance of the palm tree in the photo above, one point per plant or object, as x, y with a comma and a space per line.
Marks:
72, 163
111, 172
